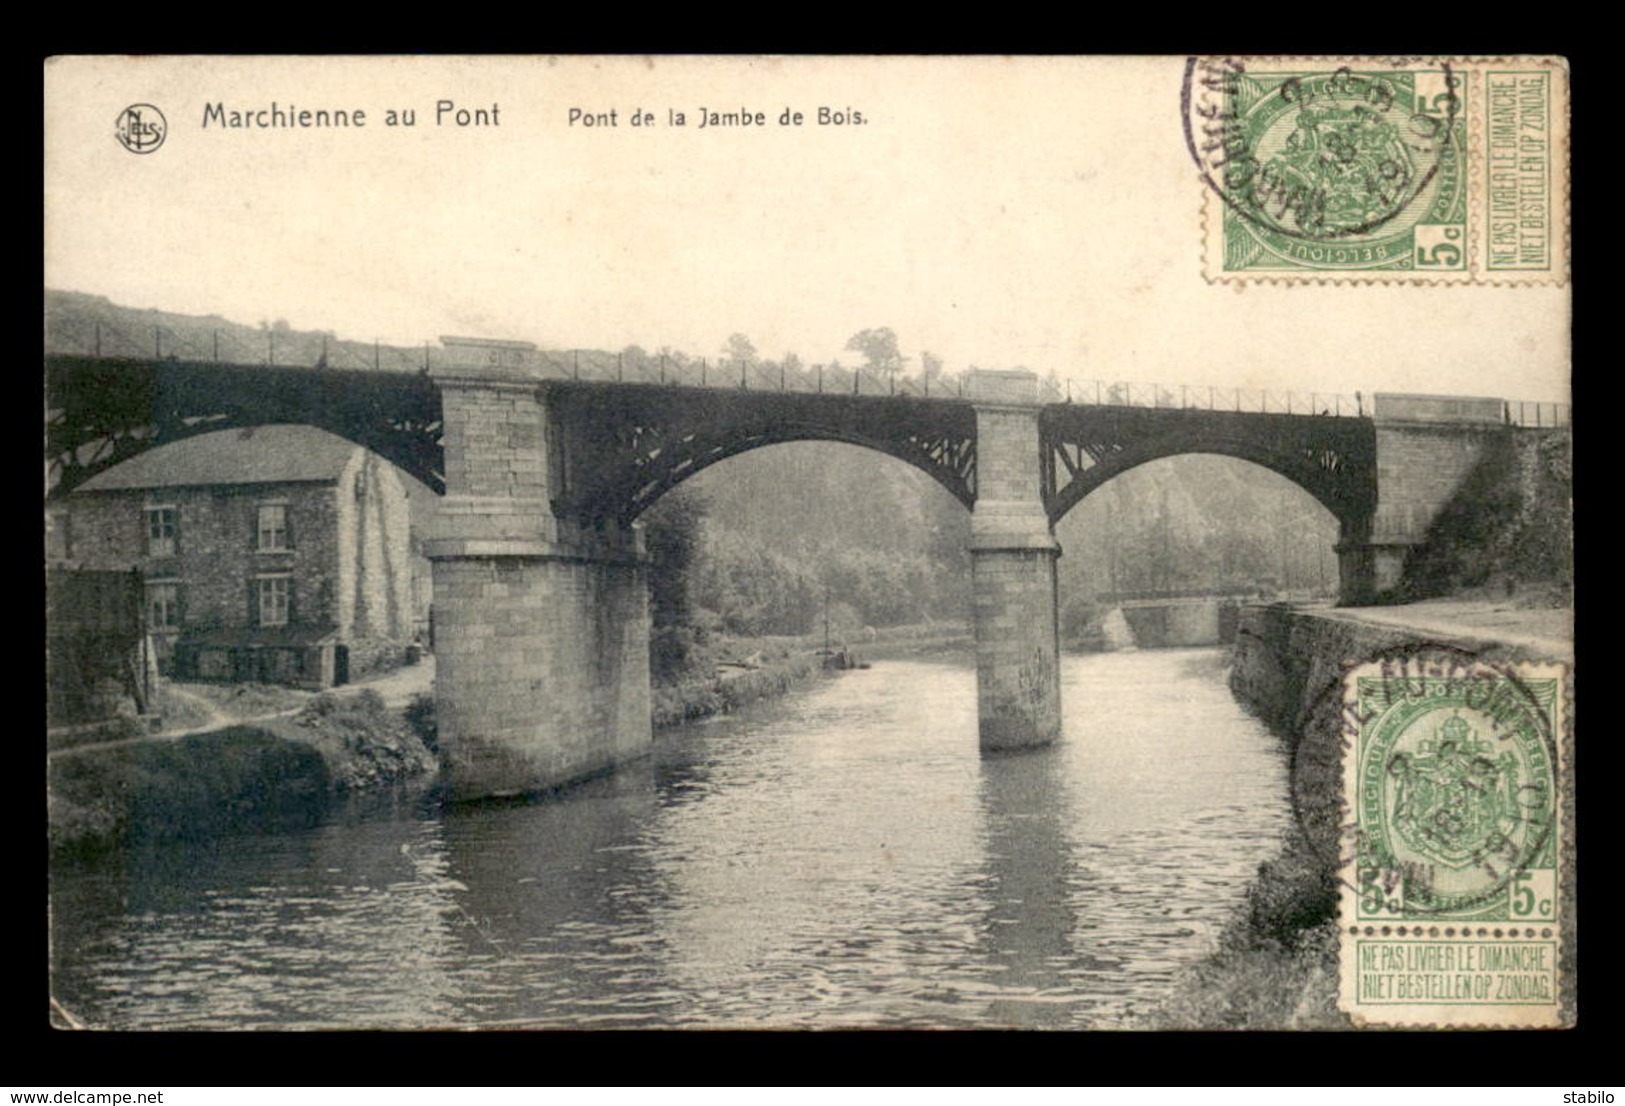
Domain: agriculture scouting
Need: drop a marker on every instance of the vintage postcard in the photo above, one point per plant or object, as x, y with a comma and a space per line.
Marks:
1055, 543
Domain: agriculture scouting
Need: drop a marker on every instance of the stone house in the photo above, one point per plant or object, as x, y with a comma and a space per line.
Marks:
97, 661
276, 554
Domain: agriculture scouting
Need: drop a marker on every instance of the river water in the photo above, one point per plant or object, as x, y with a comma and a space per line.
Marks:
842, 857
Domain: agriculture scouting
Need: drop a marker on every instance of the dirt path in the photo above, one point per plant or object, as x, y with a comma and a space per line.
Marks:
214, 717
1543, 630
398, 687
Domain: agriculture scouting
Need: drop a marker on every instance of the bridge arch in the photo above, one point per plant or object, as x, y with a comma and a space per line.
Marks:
617, 451
812, 533
103, 411
1194, 526
702, 455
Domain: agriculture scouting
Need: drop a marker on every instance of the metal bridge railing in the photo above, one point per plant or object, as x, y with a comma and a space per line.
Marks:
1102, 393
66, 334
703, 372
1538, 415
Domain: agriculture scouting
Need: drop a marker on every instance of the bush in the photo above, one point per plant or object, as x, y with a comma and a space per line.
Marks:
680, 653
365, 704
420, 715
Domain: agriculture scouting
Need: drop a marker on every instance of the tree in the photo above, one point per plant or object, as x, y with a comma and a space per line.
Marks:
671, 534
879, 348
739, 348
930, 365
635, 362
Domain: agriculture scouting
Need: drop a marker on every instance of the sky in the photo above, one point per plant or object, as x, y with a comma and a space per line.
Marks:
1029, 212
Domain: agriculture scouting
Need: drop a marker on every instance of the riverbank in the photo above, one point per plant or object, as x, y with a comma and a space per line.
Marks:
1275, 962
744, 670
234, 757
277, 770
731, 689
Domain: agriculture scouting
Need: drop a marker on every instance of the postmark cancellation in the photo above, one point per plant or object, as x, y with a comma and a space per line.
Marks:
1454, 904
1430, 170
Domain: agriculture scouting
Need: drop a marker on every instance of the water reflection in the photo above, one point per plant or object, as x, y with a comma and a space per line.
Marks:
1027, 881
795, 877
268, 930
552, 906
842, 858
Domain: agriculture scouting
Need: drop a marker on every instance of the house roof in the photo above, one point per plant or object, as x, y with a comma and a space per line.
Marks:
250, 455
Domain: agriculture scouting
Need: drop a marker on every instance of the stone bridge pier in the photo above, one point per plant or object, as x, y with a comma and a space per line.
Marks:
1013, 554
1426, 448
541, 625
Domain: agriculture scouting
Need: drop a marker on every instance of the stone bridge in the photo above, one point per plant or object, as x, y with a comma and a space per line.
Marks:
540, 594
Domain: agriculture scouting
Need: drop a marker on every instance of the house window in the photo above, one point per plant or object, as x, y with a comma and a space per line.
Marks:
273, 527
161, 527
163, 606
273, 600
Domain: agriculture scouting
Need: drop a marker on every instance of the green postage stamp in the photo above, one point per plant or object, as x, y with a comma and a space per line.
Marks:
1417, 170
1454, 906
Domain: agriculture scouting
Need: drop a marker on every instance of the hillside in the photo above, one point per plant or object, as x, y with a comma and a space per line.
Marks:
80, 323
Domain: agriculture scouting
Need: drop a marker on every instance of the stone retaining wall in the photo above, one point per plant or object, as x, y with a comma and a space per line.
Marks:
1288, 670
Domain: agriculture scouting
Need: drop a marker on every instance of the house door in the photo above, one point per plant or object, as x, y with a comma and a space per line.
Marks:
341, 665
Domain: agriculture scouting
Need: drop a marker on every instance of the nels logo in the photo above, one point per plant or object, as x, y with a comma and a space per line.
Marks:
141, 128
